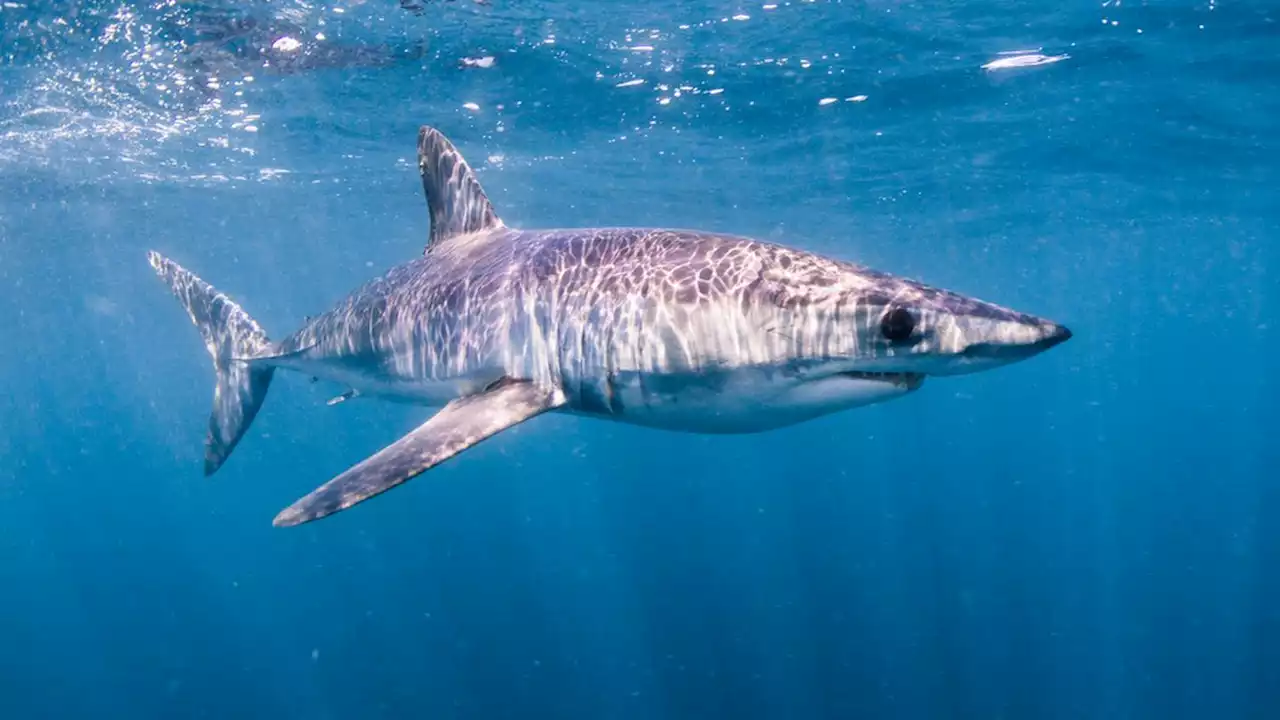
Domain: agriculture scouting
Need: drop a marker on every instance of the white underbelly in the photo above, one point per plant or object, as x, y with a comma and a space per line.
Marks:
744, 401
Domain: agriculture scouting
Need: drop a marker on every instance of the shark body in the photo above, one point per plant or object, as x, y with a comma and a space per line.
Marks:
676, 329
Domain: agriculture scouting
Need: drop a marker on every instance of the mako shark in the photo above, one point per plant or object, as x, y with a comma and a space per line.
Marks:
678, 329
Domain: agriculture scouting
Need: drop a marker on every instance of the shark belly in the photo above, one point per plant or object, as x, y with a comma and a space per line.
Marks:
739, 401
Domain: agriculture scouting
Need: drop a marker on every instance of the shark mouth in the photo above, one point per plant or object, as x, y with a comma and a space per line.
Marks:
910, 381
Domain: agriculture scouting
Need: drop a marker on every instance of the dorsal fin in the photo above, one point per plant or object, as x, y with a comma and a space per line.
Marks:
457, 202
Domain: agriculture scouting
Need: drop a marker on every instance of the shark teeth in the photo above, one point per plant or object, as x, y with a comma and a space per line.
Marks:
907, 380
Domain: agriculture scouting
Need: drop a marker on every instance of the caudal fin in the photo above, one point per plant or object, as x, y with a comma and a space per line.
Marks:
232, 338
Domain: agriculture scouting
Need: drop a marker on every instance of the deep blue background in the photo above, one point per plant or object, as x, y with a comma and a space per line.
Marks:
1093, 533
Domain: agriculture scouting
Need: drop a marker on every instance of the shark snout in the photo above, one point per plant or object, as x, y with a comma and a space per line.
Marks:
1052, 334
1019, 343
1001, 344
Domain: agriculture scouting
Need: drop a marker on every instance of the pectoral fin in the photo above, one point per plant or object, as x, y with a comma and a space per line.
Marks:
461, 424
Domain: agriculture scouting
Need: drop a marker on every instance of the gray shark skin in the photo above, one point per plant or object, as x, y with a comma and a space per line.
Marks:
676, 329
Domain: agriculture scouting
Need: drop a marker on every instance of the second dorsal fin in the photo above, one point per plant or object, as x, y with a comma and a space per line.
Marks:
457, 202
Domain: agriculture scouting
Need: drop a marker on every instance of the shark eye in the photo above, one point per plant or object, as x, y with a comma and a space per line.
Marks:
897, 325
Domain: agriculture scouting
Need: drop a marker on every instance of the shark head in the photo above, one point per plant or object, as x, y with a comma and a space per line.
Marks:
897, 332
851, 336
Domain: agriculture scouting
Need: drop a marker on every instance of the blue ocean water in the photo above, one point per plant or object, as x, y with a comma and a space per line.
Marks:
1094, 533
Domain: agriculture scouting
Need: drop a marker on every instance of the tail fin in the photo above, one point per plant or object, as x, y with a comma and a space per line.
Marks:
232, 338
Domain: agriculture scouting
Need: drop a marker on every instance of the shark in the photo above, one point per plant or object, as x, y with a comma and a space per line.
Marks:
682, 330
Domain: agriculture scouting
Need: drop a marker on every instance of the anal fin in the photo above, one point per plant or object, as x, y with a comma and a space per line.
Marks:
458, 426
341, 398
